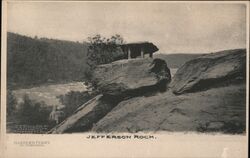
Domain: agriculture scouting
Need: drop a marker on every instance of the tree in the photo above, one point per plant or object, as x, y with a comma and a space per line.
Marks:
102, 50
33, 113
11, 103
116, 39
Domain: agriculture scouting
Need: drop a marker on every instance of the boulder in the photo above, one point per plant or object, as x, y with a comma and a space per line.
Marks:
212, 70
132, 77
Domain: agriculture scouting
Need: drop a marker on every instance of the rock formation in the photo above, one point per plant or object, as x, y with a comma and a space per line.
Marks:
221, 109
216, 101
85, 116
210, 70
117, 81
134, 97
132, 77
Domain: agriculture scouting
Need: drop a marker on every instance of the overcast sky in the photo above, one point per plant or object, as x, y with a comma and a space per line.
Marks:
173, 27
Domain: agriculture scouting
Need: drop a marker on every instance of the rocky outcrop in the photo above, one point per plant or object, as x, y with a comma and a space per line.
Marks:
85, 116
132, 77
216, 101
211, 97
221, 109
117, 81
212, 70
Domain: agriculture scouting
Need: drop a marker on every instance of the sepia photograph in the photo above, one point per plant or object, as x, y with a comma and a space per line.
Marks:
100, 68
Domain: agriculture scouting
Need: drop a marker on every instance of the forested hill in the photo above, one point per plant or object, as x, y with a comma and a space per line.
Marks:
176, 60
34, 61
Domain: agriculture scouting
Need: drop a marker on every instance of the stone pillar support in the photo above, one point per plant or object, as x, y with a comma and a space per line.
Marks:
129, 53
151, 55
142, 53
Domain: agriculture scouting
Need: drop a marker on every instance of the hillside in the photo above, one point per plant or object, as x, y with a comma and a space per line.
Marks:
34, 61
176, 60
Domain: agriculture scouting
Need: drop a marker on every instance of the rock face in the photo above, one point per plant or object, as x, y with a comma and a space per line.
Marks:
216, 101
210, 70
85, 116
132, 77
221, 109
117, 81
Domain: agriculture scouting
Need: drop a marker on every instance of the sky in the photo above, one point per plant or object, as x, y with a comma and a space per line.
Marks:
172, 27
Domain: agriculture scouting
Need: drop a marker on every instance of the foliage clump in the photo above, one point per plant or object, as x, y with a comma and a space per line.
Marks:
102, 50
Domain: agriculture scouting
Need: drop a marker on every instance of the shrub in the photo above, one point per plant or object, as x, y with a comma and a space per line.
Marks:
102, 50
11, 103
33, 113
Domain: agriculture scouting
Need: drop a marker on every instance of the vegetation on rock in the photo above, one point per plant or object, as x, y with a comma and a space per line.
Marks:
102, 50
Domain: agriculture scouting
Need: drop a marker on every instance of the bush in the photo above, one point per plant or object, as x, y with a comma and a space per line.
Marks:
102, 50
11, 103
33, 113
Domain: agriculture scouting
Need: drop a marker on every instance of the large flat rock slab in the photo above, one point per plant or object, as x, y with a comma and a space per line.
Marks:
221, 109
210, 70
126, 75
84, 117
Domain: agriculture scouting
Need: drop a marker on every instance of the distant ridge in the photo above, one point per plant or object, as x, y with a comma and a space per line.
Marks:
176, 60
34, 61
